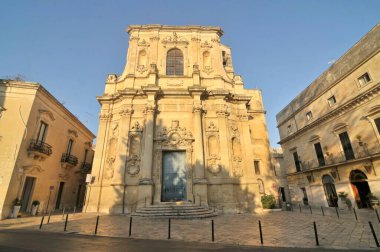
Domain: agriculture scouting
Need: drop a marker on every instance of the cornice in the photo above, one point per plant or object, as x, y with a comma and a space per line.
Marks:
184, 28
351, 104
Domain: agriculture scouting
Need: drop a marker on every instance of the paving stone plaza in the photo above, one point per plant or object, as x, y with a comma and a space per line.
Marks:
280, 229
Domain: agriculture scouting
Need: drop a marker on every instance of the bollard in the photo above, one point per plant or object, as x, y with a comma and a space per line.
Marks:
356, 217
261, 234
96, 226
311, 211
67, 217
377, 214
337, 212
130, 226
49, 218
316, 234
42, 221
374, 234
63, 213
300, 207
169, 230
75, 208
212, 230
323, 212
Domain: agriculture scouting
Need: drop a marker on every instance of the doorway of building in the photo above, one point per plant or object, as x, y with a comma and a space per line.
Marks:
360, 188
59, 196
330, 191
27, 193
173, 176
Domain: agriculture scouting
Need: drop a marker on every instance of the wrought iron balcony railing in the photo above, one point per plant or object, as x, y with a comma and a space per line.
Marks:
69, 159
40, 146
85, 168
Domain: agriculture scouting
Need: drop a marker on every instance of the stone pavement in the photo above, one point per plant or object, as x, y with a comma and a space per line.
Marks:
280, 229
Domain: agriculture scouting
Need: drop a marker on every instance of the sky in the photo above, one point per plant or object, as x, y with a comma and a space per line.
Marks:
277, 46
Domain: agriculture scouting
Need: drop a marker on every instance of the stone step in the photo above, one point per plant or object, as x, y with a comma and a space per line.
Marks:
175, 210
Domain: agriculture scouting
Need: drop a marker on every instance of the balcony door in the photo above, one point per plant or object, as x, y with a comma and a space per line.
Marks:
346, 145
27, 193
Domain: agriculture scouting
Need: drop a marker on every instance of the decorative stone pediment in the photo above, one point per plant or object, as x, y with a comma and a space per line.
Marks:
63, 176
32, 169
175, 39
175, 135
143, 43
72, 133
46, 115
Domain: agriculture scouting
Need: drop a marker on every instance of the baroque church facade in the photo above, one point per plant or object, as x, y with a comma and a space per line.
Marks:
178, 126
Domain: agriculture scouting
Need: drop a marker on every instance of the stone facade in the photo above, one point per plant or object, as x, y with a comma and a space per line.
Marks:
279, 169
35, 130
330, 132
178, 93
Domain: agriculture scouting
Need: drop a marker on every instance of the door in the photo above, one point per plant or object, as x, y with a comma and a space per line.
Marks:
173, 176
59, 196
27, 193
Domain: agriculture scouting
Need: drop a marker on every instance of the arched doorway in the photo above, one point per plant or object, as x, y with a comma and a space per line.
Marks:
330, 192
360, 188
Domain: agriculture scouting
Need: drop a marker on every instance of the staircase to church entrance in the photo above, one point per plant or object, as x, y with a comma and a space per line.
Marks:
175, 210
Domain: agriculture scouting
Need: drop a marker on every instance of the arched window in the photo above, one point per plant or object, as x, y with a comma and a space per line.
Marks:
174, 62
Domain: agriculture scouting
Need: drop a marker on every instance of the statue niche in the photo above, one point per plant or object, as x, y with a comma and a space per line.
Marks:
134, 158
236, 152
110, 160
142, 62
213, 158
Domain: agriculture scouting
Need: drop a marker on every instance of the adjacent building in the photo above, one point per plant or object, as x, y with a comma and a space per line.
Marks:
178, 125
279, 170
330, 132
45, 150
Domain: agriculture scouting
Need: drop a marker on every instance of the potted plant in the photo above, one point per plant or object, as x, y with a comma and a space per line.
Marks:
35, 206
268, 201
344, 200
16, 208
373, 200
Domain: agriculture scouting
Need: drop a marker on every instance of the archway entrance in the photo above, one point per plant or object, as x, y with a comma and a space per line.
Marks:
330, 192
360, 188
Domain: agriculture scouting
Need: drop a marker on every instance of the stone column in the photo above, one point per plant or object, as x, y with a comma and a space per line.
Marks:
145, 197
224, 142
200, 181
121, 155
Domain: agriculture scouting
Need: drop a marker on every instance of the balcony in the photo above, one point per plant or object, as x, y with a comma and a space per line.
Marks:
85, 168
68, 160
333, 159
39, 150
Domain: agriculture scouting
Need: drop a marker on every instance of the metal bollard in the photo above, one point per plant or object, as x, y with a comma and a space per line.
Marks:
130, 226
300, 207
49, 218
212, 230
377, 214
67, 217
42, 221
323, 212
316, 234
96, 226
374, 234
311, 211
356, 217
261, 234
337, 212
75, 208
169, 230
63, 213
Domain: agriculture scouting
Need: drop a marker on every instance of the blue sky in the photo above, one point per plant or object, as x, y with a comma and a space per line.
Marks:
277, 46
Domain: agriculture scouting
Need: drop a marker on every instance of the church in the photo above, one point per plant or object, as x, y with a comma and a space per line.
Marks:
178, 125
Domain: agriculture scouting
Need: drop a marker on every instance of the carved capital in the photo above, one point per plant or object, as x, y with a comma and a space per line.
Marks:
150, 109
243, 117
105, 116
222, 113
198, 108
125, 111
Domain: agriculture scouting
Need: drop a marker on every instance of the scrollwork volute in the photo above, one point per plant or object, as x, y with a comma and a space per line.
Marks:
175, 136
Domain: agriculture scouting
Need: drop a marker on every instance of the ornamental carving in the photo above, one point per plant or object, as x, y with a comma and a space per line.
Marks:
111, 78
141, 69
72, 133
110, 159
175, 39
125, 111
104, 116
206, 44
175, 136
211, 127
136, 127
143, 43
236, 157
234, 130
134, 156
45, 115
133, 165
207, 69
32, 169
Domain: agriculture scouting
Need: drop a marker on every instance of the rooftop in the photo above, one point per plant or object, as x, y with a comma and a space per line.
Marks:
185, 28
